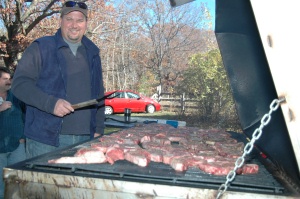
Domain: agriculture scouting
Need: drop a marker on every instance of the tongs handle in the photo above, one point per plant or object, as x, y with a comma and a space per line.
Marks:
91, 102
84, 104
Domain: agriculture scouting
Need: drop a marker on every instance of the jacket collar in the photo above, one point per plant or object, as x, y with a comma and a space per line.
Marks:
89, 45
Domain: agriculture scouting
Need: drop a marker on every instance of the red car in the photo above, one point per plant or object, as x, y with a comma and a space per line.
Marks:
121, 99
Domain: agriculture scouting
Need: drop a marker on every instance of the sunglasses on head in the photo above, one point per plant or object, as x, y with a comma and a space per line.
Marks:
74, 3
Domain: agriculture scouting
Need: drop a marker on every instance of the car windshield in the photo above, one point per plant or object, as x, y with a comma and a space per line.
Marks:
117, 95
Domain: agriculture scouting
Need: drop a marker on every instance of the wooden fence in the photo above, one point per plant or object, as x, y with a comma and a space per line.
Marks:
176, 102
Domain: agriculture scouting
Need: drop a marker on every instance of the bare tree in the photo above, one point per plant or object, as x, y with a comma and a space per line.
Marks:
112, 30
168, 36
142, 36
139, 40
18, 18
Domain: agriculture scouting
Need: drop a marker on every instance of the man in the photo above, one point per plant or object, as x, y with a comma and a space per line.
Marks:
54, 73
12, 148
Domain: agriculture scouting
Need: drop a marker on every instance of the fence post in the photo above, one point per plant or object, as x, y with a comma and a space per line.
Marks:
182, 102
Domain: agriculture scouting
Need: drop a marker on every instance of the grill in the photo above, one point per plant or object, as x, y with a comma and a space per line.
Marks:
157, 173
253, 89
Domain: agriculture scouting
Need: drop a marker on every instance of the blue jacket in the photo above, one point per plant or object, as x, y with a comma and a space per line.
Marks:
11, 125
43, 126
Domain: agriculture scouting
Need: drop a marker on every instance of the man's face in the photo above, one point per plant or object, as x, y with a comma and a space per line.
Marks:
73, 26
5, 82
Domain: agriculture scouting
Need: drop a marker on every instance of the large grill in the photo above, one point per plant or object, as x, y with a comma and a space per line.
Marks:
156, 173
253, 89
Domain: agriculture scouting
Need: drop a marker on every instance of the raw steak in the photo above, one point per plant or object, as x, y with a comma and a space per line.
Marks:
140, 157
68, 160
156, 155
113, 154
169, 155
103, 146
161, 139
213, 151
180, 163
91, 155
250, 169
217, 168
195, 161
127, 147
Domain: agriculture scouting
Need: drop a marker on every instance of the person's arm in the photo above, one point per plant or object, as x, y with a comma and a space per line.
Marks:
25, 78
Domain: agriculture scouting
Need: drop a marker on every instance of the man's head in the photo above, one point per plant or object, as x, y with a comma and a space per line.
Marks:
73, 21
5, 79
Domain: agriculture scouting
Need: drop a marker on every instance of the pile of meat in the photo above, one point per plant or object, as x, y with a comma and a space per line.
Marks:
211, 150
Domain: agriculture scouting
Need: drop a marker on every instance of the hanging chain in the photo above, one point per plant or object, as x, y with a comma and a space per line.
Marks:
249, 146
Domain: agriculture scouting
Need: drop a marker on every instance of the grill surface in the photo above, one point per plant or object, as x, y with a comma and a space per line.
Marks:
158, 173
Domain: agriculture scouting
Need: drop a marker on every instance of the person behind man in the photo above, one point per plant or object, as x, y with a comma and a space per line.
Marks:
55, 72
12, 148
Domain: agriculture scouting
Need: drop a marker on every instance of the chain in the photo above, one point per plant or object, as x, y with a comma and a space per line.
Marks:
249, 146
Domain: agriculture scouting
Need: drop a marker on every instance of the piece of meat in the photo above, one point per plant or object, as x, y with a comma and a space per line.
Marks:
209, 156
199, 147
219, 166
128, 137
176, 137
180, 163
103, 146
113, 154
250, 169
233, 150
127, 147
212, 150
145, 138
213, 140
195, 161
161, 139
109, 137
175, 153
238, 146
218, 135
151, 145
126, 141
230, 153
91, 155
68, 160
156, 155
139, 157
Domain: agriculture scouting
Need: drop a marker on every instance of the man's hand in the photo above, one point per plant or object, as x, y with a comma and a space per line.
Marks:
5, 105
96, 134
62, 108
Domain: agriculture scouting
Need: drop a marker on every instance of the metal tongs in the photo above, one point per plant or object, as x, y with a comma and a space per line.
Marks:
93, 101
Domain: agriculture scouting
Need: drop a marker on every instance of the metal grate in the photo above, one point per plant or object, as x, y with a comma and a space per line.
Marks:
262, 182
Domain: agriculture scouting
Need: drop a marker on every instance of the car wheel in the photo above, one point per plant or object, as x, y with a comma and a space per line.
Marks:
150, 108
108, 110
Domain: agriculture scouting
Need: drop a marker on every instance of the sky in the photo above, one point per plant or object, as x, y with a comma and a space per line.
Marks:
211, 6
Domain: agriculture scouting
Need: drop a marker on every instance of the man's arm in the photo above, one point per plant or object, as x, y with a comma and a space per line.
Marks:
25, 78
